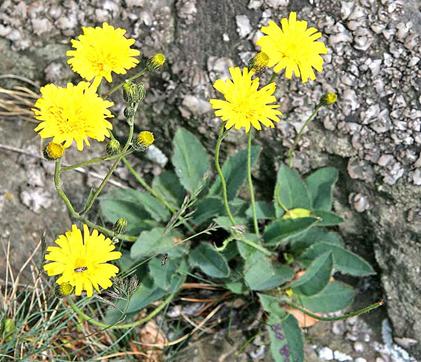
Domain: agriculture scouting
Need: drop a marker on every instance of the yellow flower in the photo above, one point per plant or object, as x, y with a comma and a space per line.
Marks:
259, 62
156, 62
293, 48
328, 99
72, 114
143, 140
297, 213
102, 50
245, 105
82, 261
53, 151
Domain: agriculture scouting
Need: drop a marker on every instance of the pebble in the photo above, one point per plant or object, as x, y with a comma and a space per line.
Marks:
359, 347
243, 25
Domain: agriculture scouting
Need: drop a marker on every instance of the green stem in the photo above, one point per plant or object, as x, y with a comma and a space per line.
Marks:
134, 324
344, 316
300, 133
93, 161
92, 199
59, 188
253, 245
250, 182
221, 175
161, 199
118, 86
75, 215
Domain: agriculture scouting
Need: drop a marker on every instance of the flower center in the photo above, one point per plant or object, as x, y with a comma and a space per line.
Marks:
80, 265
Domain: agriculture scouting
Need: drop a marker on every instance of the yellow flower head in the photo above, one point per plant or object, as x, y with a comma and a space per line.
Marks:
143, 140
72, 114
293, 47
82, 260
53, 151
102, 50
245, 105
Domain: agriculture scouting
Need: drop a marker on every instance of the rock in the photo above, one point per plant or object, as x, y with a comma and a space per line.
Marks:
243, 25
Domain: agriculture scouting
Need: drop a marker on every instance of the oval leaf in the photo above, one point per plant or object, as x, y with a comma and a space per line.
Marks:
320, 185
190, 160
210, 261
336, 296
344, 260
316, 276
283, 229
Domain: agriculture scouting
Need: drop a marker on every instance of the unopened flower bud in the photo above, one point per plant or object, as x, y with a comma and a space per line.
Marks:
129, 111
65, 289
113, 147
120, 225
297, 213
53, 151
259, 62
143, 140
328, 99
155, 62
132, 92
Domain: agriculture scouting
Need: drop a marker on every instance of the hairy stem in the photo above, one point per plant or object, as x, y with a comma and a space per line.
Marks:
94, 160
221, 175
250, 183
84, 317
158, 196
344, 316
75, 215
118, 86
92, 199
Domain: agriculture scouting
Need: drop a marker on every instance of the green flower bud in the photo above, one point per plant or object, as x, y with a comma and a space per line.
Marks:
120, 225
259, 62
129, 111
155, 62
53, 151
113, 147
132, 92
143, 140
328, 99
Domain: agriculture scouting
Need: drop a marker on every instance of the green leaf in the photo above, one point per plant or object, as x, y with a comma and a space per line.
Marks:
261, 274
290, 190
170, 275
168, 185
125, 199
207, 209
316, 276
344, 260
264, 211
210, 261
314, 235
245, 250
283, 229
235, 172
327, 218
153, 242
190, 160
112, 207
336, 296
286, 339
271, 305
146, 293
320, 185
236, 287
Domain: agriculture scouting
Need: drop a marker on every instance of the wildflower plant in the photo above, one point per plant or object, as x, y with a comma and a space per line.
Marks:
283, 250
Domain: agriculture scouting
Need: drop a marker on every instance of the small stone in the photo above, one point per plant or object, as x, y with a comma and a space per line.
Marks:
243, 25
338, 327
326, 354
254, 4
192, 105
275, 4
360, 170
360, 359
359, 202
416, 177
359, 347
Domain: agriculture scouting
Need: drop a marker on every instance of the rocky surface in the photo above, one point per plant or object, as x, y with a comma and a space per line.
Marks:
373, 134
